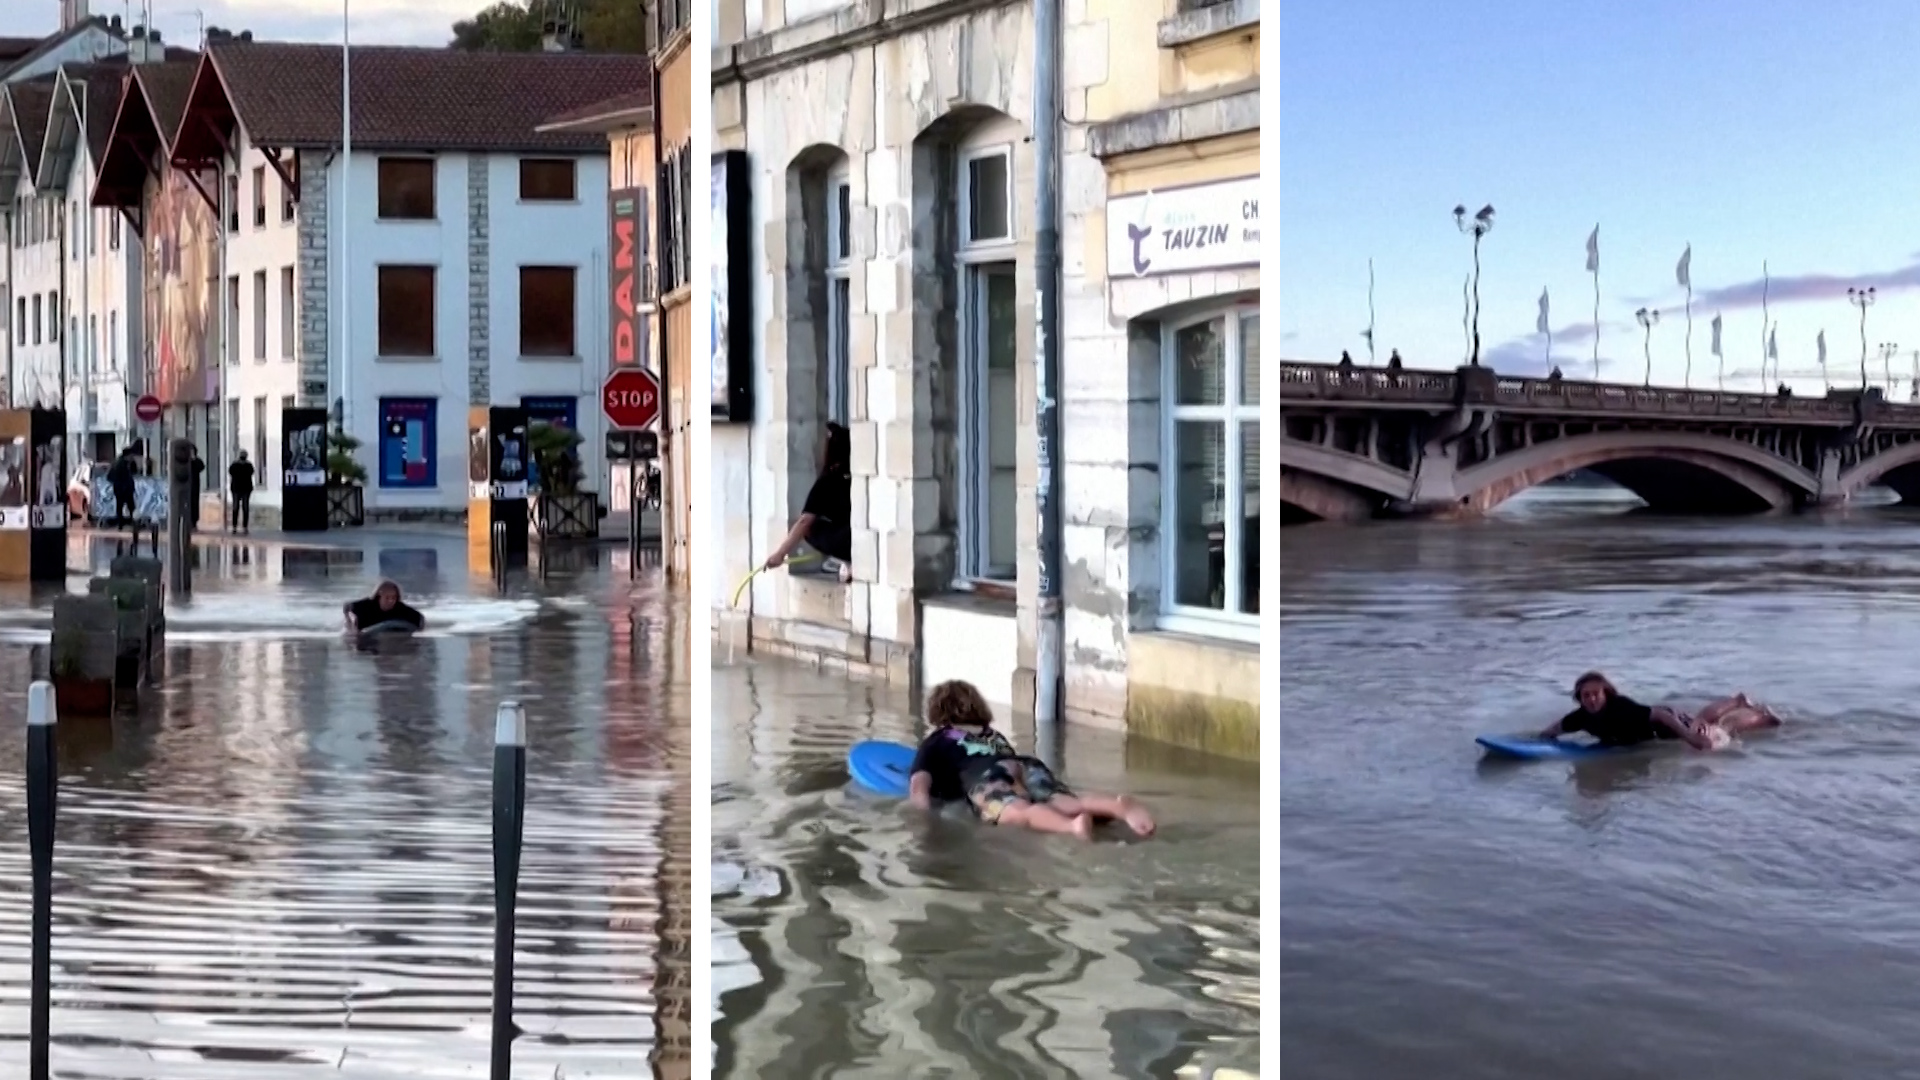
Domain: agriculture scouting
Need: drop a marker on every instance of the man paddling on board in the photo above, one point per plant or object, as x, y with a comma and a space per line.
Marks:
384, 606
1617, 720
964, 758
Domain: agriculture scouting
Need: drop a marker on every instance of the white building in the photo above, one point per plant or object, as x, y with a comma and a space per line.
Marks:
475, 249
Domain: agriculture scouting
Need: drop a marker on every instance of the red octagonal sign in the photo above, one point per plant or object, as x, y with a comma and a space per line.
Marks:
631, 398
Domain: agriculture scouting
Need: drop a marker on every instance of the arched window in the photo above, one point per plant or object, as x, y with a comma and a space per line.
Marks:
839, 267
1210, 505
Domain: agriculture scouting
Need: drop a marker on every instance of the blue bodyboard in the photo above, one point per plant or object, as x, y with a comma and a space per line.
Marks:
881, 767
1525, 748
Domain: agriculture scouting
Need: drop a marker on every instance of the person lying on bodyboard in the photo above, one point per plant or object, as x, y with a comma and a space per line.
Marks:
1617, 720
964, 758
382, 610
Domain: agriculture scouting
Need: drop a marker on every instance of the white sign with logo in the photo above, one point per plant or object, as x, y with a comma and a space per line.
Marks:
1179, 230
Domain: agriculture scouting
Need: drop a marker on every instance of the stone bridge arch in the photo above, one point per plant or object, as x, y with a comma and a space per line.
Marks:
1897, 467
1681, 471
1318, 483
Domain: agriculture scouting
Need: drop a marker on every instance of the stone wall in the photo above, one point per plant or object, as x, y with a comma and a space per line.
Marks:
479, 263
312, 283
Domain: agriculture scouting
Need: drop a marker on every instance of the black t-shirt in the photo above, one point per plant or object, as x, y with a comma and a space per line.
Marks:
366, 613
831, 498
240, 476
955, 758
1622, 722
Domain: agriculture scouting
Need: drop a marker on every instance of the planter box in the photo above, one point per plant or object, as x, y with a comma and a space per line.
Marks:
75, 696
566, 517
346, 506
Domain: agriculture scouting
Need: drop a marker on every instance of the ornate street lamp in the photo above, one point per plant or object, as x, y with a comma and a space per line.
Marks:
1887, 349
1476, 226
1862, 299
1648, 319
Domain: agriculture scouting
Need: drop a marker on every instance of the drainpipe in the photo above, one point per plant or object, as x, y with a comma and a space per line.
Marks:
670, 447
13, 320
1049, 660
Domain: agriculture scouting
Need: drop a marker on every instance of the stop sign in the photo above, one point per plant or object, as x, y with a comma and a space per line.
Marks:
631, 398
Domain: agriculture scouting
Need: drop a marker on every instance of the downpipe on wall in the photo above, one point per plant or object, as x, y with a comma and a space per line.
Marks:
1050, 644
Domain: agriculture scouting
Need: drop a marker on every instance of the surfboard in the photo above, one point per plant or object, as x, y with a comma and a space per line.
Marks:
881, 767
1526, 748
394, 626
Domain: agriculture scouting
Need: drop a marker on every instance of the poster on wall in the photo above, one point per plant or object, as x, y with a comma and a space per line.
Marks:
479, 468
508, 451
13, 483
1200, 227
303, 448
48, 447
408, 437
730, 368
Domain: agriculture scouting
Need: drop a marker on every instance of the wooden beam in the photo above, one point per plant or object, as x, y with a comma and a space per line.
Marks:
136, 216
287, 176
193, 177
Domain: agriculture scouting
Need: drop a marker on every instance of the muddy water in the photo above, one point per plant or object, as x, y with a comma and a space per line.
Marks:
280, 867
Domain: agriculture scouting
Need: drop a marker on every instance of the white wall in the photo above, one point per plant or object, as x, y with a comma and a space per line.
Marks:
564, 234
272, 248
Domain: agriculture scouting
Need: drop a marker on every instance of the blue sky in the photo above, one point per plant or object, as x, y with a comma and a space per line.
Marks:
390, 22
1775, 131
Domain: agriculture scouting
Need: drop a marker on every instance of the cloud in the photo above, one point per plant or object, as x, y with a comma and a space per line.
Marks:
1793, 289
384, 22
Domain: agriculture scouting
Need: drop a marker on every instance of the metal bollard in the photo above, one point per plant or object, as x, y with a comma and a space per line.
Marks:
509, 813
42, 780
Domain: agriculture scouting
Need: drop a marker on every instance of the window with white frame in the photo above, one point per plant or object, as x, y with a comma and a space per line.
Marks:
984, 254
1210, 506
839, 374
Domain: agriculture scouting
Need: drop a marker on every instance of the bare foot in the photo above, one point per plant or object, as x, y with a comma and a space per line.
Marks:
1083, 826
1138, 819
846, 573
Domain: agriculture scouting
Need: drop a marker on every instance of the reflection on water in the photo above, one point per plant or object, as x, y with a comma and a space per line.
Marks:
281, 867
853, 937
1741, 914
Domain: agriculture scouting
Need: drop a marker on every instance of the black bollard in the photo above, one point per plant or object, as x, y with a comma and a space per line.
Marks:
509, 810
42, 779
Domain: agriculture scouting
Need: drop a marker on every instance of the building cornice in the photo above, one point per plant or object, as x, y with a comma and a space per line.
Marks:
866, 22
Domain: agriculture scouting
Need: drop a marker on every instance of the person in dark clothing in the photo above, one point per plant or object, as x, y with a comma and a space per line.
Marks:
240, 486
199, 472
826, 519
384, 606
120, 477
1617, 720
965, 758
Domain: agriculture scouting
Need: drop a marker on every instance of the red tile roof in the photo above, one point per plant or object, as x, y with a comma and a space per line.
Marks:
621, 106
288, 96
30, 101
144, 126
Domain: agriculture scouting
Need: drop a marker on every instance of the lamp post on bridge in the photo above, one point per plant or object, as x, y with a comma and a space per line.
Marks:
1648, 319
1887, 349
1476, 226
1862, 299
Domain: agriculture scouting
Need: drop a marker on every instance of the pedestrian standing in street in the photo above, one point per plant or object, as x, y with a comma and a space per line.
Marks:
199, 474
240, 486
121, 479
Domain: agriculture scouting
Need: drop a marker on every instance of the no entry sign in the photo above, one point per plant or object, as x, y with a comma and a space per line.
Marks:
147, 409
631, 398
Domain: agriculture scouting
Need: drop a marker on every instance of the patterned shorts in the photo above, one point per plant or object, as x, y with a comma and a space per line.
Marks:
1002, 785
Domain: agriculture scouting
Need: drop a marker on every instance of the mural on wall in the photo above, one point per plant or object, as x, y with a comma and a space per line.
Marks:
182, 267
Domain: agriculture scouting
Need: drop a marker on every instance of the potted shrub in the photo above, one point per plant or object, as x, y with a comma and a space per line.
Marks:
561, 511
346, 479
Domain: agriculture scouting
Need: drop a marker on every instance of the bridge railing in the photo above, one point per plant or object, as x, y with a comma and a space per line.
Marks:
1304, 382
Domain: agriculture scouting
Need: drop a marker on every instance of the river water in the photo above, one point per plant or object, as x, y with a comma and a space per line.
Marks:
280, 867
1748, 913
854, 937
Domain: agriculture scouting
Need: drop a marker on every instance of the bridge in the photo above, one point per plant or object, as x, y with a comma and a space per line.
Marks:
1361, 442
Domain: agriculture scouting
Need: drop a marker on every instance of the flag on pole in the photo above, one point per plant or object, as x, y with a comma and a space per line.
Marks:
1773, 344
1593, 251
1684, 272
1822, 342
1540, 324
1593, 267
1716, 335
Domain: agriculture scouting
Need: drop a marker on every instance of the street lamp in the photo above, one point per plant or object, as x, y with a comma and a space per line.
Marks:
1648, 320
1862, 299
1476, 226
1887, 349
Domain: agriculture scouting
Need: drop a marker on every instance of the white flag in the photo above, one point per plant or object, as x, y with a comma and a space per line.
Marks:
1540, 324
1773, 344
1822, 341
1683, 273
1593, 251
1716, 335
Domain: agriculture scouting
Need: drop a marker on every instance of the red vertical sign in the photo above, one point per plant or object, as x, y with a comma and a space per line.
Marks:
627, 248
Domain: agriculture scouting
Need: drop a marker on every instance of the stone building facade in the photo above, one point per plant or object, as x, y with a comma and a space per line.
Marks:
890, 149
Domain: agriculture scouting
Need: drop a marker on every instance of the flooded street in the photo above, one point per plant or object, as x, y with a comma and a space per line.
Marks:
280, 868
854, 937
1754, 912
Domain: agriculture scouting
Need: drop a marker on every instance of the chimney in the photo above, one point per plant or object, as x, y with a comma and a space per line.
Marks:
559, 36
73, 13
144, 47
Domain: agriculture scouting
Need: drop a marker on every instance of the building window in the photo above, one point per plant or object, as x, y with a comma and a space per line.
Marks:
260, 441
406, 189
839, 295
292, 167
73, 232
1211, 499
259, 314
259, 196
547, 180
286, 313
93, 232
989, 342
675, 182
93, 342
547, 313
20, 323
406, 310
53, 318
233, 320
407, 442
113, 230
233, 203
113, 339
232, 433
